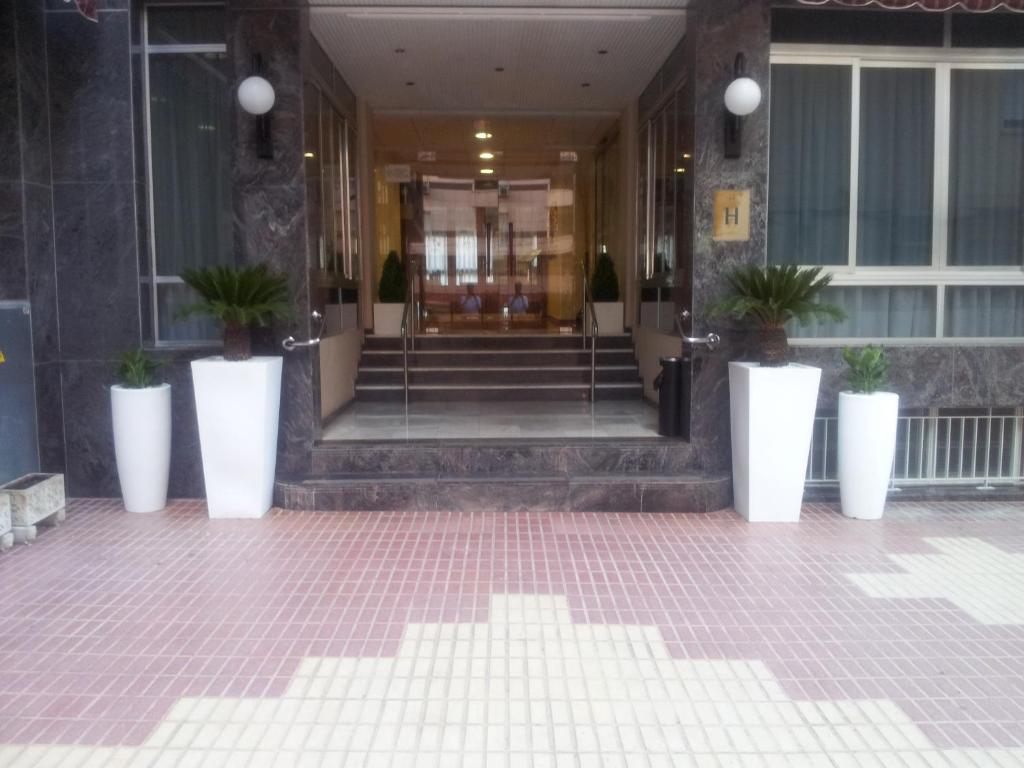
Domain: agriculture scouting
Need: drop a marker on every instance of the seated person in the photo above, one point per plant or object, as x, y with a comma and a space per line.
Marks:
470, 303
518, 304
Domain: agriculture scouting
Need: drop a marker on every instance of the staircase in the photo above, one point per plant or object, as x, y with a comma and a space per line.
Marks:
498, 367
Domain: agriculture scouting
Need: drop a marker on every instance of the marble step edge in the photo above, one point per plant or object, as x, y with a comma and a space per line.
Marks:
623, 493
584, 385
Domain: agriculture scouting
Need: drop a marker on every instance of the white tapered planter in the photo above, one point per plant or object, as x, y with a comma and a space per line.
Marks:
387, 319
142, 444
867, 443
772, 415
238, 403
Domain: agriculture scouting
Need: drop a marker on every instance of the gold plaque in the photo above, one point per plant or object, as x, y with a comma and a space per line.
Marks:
732, 215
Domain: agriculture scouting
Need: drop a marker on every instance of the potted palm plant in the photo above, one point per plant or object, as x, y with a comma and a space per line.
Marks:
867, 433
238, 396
772, 401
141, 410
387, 312
604, 289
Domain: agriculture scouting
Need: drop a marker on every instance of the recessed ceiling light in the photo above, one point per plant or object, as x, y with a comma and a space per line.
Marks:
308, 154
687, 155
486, 155
680, 170
486, 171
410, 82
482, 135
399, 50
602, 52
586, 85
499, 69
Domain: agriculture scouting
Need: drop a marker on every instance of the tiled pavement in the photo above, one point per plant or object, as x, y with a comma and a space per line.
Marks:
392, 639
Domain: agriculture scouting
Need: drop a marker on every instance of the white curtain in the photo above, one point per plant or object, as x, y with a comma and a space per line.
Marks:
877, 312
985, 311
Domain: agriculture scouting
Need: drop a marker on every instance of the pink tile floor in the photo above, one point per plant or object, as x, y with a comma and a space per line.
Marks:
112, 619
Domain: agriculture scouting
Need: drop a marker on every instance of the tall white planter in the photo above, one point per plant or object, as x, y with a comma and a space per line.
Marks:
772, 412
238, 403
867, 443
609, 316
142, 444
387, 319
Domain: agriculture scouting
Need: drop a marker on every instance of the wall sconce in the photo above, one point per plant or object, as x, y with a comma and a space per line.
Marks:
742, 97
256, 96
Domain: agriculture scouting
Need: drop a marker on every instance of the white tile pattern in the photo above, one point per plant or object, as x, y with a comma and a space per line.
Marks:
982, 580
528, 688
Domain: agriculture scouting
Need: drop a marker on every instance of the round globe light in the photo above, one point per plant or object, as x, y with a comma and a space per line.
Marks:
256, 95
742, 96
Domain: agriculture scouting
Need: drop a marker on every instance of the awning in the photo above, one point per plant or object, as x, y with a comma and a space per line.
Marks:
976, 6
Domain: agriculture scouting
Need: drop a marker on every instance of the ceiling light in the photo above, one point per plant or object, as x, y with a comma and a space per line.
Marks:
602, 52
308, 154
482, 135
399, 50
410, 82
586, 85
499, 69
680, 170
486, 171
687, 155
486, 155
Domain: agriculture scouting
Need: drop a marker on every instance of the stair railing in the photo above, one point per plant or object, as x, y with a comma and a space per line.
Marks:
588, 309
408, 331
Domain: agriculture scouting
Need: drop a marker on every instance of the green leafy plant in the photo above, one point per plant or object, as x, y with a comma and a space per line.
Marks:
604, 284
239, 298
868, 368
392, 287
137, 371
772, 296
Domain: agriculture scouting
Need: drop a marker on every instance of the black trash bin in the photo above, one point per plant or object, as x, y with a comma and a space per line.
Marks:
669, 384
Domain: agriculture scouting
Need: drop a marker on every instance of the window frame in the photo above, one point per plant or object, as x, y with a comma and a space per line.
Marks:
154, 279
939, 274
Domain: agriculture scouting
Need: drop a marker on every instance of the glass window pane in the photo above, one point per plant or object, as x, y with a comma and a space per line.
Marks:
986, 169
191, 153
809, 165
189, 25
985, 311
897, 159
352, 166
643, 201
876, 313
171, 298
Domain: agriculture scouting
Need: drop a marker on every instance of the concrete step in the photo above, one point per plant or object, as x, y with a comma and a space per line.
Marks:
497, 493
492, 392
515, 358
576, 457
496, 375
429, 342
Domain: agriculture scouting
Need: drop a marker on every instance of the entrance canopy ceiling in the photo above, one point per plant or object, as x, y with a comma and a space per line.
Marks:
499, 56
981, 6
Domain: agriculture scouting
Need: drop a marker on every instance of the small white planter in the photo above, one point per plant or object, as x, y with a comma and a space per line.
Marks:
867, 443
772, 413
238, 403
609, 317
142, 444
387, 319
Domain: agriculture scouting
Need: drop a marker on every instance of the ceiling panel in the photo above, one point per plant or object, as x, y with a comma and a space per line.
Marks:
450, 55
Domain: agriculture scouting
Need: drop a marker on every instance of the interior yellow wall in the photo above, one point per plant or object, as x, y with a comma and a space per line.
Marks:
387, 222
339, 361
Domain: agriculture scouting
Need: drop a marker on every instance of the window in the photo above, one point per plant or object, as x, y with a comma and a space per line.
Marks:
188, 118
901, 171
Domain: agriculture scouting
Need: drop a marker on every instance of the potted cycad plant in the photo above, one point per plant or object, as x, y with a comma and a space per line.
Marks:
141, 409
238, 396
387, 312
867, 433
604, 288
772, 401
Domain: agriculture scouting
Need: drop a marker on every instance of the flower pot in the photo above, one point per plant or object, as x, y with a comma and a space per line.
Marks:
387, 319
772, 413
238, 404
867, 443
609, 317
142, 444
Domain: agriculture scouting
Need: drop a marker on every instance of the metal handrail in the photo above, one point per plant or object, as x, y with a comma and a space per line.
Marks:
588, 303
407, 338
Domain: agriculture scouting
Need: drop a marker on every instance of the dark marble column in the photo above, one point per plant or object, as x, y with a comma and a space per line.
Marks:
270, 204
95, 239
716, 31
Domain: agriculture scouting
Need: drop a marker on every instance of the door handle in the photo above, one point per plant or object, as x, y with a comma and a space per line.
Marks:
290, 343
710, 340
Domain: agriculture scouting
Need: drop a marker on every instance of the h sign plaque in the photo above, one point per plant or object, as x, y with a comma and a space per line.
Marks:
732, 215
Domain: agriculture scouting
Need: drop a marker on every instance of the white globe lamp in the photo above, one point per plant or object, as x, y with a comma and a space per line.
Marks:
742, 96
256, 95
